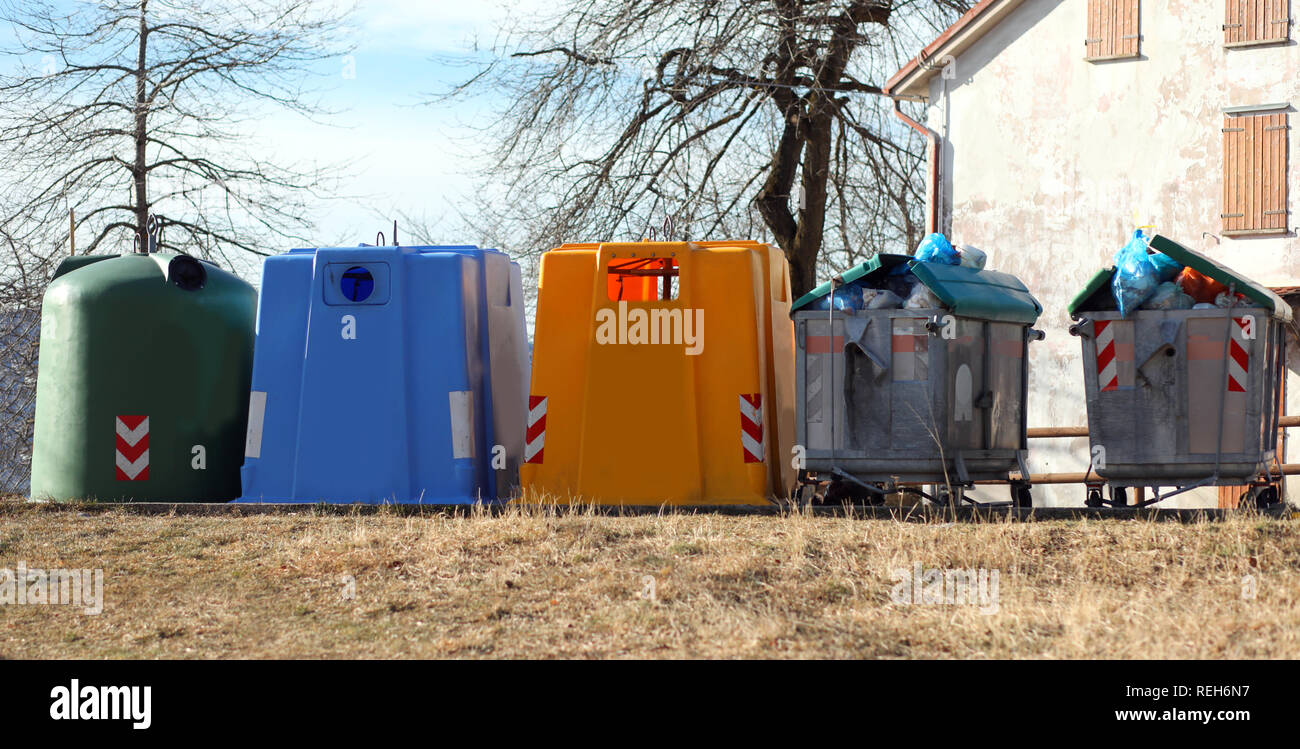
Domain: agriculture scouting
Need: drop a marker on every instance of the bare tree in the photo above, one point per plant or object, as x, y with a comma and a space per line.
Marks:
118, 110
127, 108
738, 117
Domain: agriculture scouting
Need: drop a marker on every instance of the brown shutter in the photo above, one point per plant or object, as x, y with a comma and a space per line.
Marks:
1254, 173
1275, 139
1234, 212
1114, 29
1256, 21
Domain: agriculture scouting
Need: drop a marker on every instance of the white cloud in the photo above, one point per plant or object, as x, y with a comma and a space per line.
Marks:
437, 26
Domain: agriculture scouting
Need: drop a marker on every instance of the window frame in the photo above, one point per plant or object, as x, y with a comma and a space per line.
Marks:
1256, 171
1238, 20
1116, 16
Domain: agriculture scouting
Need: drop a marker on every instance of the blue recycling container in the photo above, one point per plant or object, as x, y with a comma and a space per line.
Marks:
387, 375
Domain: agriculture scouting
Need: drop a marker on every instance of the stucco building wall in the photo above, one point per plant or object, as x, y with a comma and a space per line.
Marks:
1049, 162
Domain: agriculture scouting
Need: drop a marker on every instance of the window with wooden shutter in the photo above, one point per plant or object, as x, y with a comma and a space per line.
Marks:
1254, 173
1257, 22
1114, 29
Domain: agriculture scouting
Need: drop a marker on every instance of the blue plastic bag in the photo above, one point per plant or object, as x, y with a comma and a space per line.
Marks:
1136, 277
937, 249
847, 297
1167, 269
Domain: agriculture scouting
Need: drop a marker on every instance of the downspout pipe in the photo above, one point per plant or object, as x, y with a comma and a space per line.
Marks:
932, 181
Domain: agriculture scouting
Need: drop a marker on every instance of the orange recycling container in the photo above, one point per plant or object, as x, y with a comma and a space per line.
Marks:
662, 373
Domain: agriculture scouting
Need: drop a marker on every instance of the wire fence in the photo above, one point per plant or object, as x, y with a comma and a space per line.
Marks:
19, 339
26, 267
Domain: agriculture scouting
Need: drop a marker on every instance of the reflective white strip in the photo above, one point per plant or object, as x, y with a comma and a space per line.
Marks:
132, 436
462, 423
133, 469
256, 418
748, 410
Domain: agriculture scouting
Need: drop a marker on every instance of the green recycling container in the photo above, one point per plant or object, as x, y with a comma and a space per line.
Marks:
143, 380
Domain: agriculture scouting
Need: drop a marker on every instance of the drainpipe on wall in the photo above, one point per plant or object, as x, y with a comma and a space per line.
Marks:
932, 187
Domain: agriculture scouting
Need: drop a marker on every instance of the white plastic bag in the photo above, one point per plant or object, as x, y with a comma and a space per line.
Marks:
973, 257
922, 298
880, 299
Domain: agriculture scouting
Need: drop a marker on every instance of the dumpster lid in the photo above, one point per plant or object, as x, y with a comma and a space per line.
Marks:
879, 265
984, 294
1199, 263
1100, 280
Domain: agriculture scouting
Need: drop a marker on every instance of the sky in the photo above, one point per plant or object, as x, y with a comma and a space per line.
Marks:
410, 154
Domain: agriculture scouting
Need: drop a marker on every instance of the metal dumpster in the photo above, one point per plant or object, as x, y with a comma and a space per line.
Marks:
1161, 384
889, 397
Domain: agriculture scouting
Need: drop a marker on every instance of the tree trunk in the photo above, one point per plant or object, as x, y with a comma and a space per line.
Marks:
139, 168
807, 244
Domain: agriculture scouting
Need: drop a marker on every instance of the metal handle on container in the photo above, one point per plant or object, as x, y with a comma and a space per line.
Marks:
1077, 329
1034, 334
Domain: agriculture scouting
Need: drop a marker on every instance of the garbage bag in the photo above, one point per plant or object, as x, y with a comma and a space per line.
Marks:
880, 299
902, 269
973, 257
1200, 287
937, 249
1227, 301
845, 298
900, 285
1202, 305
1167, 269
1135, 276
1168, 296
922, 298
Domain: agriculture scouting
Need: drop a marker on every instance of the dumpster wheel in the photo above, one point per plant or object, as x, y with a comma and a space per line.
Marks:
841, 491
1259, 497
1022, 497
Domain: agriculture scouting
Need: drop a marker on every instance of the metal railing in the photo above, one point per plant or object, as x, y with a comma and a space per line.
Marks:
1286, 469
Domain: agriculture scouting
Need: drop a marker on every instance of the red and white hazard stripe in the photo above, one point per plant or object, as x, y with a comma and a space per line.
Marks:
1107, 364
1238, 356
132, 448
535, 437
751, 427
1115, 366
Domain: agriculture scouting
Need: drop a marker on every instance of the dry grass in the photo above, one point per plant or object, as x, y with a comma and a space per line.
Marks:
530, 584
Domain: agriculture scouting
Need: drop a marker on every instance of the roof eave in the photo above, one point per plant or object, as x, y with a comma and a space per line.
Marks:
912, 81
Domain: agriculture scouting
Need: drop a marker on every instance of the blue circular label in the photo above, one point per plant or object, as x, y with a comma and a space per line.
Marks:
357, 284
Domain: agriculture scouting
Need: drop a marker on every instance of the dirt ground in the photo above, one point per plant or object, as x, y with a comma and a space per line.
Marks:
536, 584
